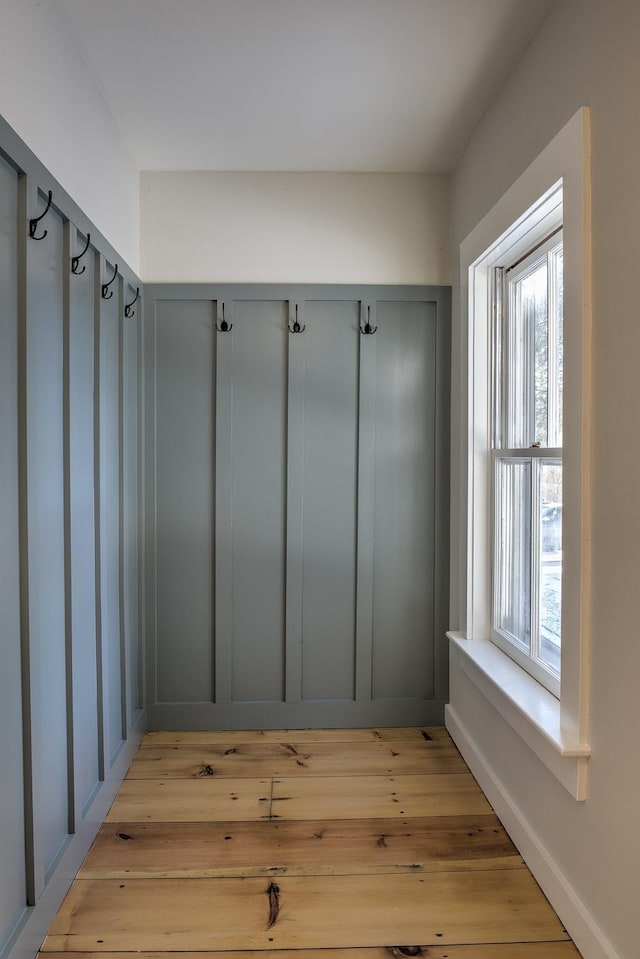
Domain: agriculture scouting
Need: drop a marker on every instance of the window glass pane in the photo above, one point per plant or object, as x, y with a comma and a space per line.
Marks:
528, 358
550, 565
513, 555
535, 297
556, 351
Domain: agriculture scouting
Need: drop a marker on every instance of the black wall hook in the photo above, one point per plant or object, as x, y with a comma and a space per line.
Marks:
33, 224
224, 326
368, 329
128, 312
106, 292
75, 260
296, 326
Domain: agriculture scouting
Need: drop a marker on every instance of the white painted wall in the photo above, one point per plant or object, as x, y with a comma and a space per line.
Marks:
585, 53
295, 228
50, 100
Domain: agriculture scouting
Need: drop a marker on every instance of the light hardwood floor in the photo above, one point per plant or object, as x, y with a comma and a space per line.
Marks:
342, 844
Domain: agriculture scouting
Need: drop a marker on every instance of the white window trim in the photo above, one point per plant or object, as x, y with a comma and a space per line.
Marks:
556, 730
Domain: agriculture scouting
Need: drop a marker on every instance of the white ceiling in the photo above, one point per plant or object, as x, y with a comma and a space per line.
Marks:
298, 85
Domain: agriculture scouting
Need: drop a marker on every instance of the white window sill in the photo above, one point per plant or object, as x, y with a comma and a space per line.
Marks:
529, 709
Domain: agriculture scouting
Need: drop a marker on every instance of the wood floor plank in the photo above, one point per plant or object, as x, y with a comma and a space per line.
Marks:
296, 759
186, 800
378, 797
334, 858
235, 736
343, 847
523, 950
318, 912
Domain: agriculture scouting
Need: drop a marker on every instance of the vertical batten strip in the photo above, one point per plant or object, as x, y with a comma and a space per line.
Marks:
294, 572
140, 481
68, 231
100, 672
109, 480
223, 521
366, 503
149, 516
125, 504
442, 496
34, 870
131, 504
215, 309
119, 296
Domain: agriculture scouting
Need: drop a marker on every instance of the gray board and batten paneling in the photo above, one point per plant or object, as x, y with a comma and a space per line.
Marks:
42, 368
12, 818
61, 421
297, 504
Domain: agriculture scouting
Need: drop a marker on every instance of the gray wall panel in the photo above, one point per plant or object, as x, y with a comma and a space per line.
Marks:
109, 523
330, 499
12, 862
403, 572
46, 545
366, 497
185, 399
82, 531
130, 553
294, 585
330, 450
258, 471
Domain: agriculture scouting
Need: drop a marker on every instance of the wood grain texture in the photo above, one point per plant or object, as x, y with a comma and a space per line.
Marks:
313, 912
234, 736
202, 800
351, 847
522, 950
211, 860
377, 797
296, 759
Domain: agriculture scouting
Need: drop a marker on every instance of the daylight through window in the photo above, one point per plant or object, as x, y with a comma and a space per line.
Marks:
527, 459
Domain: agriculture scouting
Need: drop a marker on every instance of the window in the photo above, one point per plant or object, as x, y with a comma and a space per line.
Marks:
527, 381
520, 574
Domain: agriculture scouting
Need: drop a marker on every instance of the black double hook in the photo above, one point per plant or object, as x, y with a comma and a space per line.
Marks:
296, 328
224, 326
33, 224
106, 292
367, 329
128, 312
75, 260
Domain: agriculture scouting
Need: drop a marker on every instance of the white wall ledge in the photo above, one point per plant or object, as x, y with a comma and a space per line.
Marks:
529, 709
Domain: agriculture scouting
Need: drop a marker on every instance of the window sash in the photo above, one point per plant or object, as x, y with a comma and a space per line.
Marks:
517, 546
525, 650
511, 347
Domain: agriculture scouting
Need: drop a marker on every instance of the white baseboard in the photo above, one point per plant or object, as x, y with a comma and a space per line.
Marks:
587, 935
34, 926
